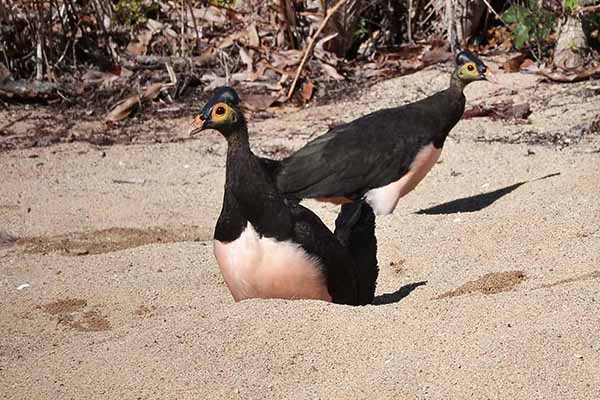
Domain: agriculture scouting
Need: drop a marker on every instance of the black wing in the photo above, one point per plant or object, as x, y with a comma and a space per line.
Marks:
353, 158
370, 151
269, 166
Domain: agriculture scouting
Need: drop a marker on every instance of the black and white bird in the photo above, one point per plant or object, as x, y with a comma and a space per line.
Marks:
381, 156
270, 247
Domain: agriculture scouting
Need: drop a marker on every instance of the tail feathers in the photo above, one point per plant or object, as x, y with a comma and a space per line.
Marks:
355, 229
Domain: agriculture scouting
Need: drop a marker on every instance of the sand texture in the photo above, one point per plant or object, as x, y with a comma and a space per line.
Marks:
489, 285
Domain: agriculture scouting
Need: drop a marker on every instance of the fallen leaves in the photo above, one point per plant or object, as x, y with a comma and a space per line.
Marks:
307, 91
503, 110
34, 90
513, 64
125, 107
576, 75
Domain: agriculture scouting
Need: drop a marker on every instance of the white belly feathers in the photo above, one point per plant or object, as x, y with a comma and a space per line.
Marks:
383, 199
259, 267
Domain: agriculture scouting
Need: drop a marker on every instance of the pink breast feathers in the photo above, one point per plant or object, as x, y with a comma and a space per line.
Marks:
383, 199
259, 267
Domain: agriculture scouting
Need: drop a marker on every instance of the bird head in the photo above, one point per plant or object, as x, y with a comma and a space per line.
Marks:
470, 68
221, 113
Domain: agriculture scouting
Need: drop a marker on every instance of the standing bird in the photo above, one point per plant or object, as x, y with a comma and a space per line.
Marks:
269, 247
381, 156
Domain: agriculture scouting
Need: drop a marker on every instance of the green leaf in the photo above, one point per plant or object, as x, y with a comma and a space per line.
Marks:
571, 5
510, 16
521, 36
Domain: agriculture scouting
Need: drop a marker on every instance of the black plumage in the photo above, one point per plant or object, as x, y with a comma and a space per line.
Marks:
348, 263
379, 148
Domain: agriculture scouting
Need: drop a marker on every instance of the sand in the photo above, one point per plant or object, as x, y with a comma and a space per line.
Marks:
489, 284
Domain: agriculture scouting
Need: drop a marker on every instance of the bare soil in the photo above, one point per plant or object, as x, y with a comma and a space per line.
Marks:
489, 284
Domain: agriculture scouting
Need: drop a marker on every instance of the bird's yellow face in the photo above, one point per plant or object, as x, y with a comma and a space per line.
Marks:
469, 72
219, 115
222, 113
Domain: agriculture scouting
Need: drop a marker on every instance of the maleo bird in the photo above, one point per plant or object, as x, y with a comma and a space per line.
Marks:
381, 156
269, 247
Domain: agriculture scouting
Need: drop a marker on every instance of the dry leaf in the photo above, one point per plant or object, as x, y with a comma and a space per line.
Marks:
123, 109
307, 91
436, 55
324, 55
230, 40
152, 91
210, 14
528, 65
154, 25
214, 81
502, 110
140, 46
247, 60
253, 37
571, 76
103, 79
331, 72
514, 64
4, 73
258, 102
287, 58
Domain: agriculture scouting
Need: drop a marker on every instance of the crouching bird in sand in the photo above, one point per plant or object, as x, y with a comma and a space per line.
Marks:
381, 156
270, 247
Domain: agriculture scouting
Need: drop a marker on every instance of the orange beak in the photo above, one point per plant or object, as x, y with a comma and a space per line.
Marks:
490, 77
196, 126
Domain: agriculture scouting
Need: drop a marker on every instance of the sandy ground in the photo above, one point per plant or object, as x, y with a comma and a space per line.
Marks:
489, 284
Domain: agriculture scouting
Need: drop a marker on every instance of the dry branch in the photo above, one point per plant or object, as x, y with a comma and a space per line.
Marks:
311, 45
572, 76
32, 90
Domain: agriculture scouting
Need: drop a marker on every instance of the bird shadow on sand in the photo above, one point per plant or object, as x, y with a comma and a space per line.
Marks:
394, 297
477, 202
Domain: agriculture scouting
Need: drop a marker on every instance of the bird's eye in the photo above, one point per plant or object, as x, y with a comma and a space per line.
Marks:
220, 110
470, 67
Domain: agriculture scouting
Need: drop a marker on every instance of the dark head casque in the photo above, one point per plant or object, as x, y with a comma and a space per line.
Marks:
466, 56
223, 94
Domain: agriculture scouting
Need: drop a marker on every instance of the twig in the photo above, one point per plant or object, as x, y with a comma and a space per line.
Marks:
450, 22
222, 60
417, 8
64, 53
409, 21
19, 119
289, 21
171, 73
586, 10
39, 65
311, 45
41, 44
489, 6
198, 46
100, 21
182, 46
228, 9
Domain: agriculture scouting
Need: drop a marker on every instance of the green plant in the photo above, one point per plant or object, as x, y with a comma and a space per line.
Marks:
223, 3
531, 25
571, 5
129, 12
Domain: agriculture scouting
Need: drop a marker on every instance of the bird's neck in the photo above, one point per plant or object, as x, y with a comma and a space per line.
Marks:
237, 136
457, 84
252, 190
452, 101
239, 155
